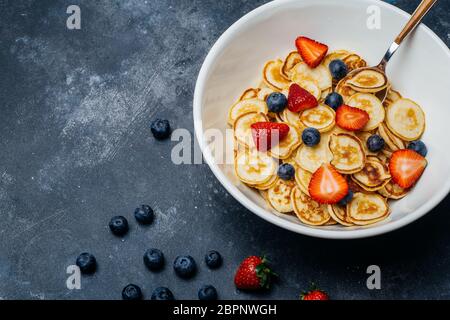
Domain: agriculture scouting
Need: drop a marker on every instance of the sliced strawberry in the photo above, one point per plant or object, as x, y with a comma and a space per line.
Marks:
300, 99
327, 186
311, 51
350, 118
406, 167
268, 134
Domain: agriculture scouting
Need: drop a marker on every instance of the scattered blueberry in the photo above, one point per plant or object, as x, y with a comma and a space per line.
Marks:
375, 143
207, 292
419, 147
118, 225
311, 137
276, 102
347, 198
338, 69
131, 292
144, 214
286, 171
213, 259
162, 293
185, 266
154, 259
334, 100
160, 129
87, 263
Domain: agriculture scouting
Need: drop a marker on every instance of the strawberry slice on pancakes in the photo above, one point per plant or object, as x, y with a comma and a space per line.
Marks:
300, 99
350, 118
311, 51
268, 134
327, 186
406, 167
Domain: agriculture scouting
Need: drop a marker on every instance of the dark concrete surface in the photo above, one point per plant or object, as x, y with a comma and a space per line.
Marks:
76, 149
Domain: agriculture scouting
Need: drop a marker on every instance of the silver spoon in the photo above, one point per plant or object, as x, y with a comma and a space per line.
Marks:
413, 22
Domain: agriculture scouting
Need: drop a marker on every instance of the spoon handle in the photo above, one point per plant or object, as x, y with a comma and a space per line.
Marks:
413, 22
415, 19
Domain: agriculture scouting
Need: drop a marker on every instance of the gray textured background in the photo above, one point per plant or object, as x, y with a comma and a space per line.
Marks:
76, 149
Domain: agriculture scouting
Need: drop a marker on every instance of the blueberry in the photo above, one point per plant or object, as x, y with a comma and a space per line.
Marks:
144, 214
276, 102
131, 292
334, 100
207, 292
154, 259
419, 147
375, 143
338, 69
118, 225
185, 266
347, 198
286, 171
311, 137
213, 259
162, 293
160, 129
87, 263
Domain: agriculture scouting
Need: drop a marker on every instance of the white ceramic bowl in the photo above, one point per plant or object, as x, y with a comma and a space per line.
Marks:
420, 70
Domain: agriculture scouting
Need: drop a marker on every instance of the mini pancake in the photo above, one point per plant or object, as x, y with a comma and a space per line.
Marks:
338, 130
352, 185
344, 90
354, 62
242, 127
321, 117
290, 160
263, 194
393, 191
250, 93
272, 76
372, 105
279, 195
406, 119
348, 153
391, 97
338, 54
254, 168
339, 214
387, 152
307, 210
285, 147
320, 75
292, 118
331, 222
311, 86
246, 106
324, 94
263, 93
311, 158
266, 185
278, 116
302, 178
374, 176
392, 141
291, 60
365, 209
368, 80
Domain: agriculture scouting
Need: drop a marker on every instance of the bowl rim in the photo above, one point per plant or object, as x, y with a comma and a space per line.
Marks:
222, 42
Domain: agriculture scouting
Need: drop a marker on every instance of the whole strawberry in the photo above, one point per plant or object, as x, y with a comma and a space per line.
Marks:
314, 294
253, 274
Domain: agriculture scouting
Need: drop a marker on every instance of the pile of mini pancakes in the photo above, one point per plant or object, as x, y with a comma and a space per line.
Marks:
397, 120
